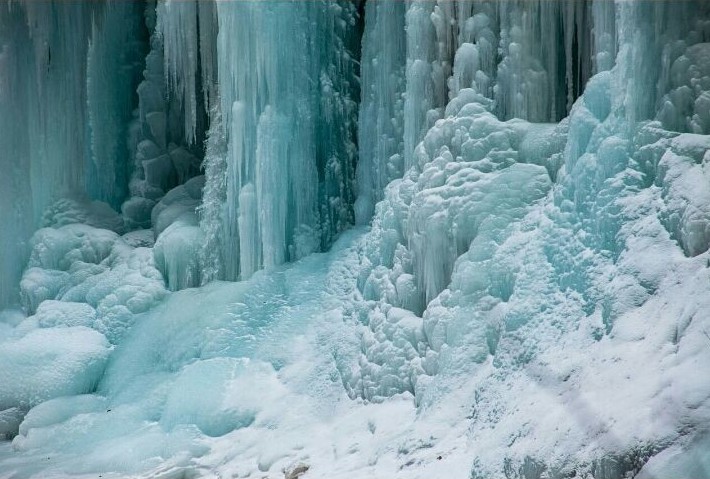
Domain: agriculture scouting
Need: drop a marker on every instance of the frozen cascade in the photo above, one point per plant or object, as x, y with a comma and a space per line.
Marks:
290, 138
448, 282
530, 298
532, 58
416, 209
59, 134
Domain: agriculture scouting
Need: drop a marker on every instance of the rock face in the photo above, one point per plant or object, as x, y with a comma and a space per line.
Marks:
296, 472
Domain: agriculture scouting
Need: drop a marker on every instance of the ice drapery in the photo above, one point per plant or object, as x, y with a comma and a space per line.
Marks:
66, 92
288, 86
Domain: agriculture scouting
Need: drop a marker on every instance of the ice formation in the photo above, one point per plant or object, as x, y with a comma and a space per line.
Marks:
183, 292
288, 108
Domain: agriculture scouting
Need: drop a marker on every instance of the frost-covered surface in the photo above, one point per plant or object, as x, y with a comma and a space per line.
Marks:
530, 300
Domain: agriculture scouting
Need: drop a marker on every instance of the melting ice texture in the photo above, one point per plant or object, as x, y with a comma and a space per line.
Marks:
530, 297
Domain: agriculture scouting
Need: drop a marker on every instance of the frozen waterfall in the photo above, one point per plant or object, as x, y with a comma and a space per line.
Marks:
355, 238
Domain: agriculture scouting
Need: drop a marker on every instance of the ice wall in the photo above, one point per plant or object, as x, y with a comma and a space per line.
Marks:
288, 86
67, 86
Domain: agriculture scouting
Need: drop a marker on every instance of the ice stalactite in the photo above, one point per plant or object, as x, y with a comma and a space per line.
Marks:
188, 30
177, 26
291, 138
208, 30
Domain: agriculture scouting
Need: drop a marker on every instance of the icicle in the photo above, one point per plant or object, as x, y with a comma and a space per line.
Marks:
114, 62
381, 112
208, 23
177, 23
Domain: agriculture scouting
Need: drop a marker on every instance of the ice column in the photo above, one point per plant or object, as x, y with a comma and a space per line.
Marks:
289, 95
381, 111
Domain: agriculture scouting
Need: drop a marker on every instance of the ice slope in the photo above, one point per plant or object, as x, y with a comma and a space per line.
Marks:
251, 364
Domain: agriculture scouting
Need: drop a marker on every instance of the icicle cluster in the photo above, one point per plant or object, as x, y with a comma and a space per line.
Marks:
288, 88
531, 57
188, 30
67, 81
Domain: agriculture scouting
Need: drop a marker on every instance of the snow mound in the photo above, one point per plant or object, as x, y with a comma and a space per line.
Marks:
47, 363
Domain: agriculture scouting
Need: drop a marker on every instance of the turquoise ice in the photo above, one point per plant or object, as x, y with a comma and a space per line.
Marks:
184, 292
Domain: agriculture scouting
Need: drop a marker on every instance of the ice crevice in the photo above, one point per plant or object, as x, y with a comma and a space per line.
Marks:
371, 238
